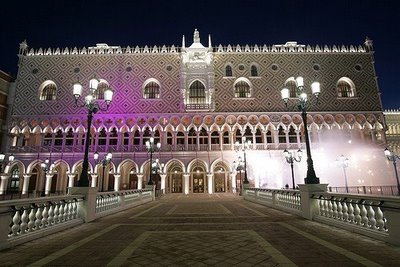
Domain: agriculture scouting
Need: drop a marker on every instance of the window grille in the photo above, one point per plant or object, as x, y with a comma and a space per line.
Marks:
49, 92
242, 89
254, 71
151, 90
345, 89
197, 93
228, 71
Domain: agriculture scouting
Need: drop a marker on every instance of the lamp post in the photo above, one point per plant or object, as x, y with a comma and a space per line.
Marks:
157, 167
151, 148
302, 106
92, 106
292, 157
239, 166
243, 146
343, 162
5, 162
393, 158
104, 162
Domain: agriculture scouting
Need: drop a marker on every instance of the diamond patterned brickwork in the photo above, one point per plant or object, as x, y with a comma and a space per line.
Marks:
266, 87
126, 74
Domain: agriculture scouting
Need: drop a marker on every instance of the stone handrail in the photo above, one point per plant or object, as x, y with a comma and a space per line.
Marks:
287, 200
23, 220
374, 216
111, 202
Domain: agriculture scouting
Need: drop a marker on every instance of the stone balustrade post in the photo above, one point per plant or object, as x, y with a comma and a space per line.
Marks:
392, 214
153, 189
309, 206
5, 214
86, 208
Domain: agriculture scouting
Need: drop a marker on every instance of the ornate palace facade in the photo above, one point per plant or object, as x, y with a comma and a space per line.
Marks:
196, 101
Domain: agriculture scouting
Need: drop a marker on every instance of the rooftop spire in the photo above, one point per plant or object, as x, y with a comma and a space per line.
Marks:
183, 41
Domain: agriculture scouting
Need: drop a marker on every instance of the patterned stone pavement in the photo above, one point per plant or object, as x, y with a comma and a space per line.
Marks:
202, 230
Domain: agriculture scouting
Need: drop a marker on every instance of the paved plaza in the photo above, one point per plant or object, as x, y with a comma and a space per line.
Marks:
202, 230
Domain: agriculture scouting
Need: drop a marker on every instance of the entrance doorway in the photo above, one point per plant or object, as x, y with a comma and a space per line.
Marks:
198, 183
219, 179
176, 186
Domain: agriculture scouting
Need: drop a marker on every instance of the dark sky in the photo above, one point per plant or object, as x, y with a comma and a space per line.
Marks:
52, 23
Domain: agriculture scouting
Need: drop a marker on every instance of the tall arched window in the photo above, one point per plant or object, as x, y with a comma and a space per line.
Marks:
292, 135
214, 138
151, 90
58, 138
102, 137
197, 93
136, 138
345, 87
281, 135
180, 138
101, 87
192, 137
228, 71
291, 85
69, 137
14, 179
242, 89
254, 71
48, 90
113, 139
203, 136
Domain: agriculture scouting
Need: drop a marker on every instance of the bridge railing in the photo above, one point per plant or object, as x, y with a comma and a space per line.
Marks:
286, 200
374, 216
23, 220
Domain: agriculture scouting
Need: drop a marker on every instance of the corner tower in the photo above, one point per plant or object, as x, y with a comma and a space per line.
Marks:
197, 83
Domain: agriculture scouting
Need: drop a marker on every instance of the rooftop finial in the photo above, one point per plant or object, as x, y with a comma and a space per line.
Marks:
23, 47
196, 36
209, 41
368, 44
183, 41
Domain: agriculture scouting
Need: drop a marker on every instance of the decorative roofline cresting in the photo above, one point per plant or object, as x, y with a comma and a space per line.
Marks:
288, 47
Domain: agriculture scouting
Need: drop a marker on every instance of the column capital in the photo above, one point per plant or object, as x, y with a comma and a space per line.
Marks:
26, 175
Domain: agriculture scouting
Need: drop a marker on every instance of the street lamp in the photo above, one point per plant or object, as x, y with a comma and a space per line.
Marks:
104, 162
343, 162
5, 162
151, 148
245, 145
292, 157
393, 158
93, 106
302, 106
157, 167
239, 166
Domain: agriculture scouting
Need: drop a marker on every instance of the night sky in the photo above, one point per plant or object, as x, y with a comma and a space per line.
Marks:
50, 23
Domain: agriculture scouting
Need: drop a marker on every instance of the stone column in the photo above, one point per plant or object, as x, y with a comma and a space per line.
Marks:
233, 181
186, 183
25, 186
4, 182
163, 182
139, 181
71, 177
117, 181
210, 177
94, 179
298, 138
47, 187
276, 138
209, 140
265, 141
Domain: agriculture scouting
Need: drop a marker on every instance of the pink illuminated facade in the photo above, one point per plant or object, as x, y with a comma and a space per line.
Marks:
196, 101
